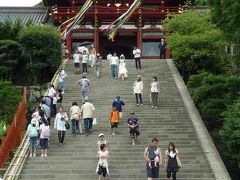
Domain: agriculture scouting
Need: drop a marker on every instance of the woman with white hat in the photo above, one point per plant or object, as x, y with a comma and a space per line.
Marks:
122, 71
101, 140
32, 134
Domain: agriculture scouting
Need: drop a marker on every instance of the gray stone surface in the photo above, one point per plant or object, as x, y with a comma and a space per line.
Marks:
205, 139
76, 159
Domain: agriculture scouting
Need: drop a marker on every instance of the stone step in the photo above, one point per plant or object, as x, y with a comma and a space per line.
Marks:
76, 159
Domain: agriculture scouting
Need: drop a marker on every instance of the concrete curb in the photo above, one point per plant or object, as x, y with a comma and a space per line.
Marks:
219, 170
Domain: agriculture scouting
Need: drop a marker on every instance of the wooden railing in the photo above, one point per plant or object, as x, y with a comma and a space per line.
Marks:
15, 131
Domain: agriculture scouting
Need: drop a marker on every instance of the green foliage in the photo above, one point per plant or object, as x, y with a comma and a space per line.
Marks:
225, 14
3, 128
195, 44
230, 135
40, 4
9, 54
201, 2
212, 94
42, 50
9, 30
10, 96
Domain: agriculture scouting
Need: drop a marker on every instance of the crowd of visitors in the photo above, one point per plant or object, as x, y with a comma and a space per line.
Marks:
38, 130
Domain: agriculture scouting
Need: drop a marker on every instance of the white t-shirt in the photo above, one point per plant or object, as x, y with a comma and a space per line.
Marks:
62, 76
137, 53
109, 57
155, 87
87, 110
84, 58
76, 58
51, 92
75, 112
102, 161
114, 60
171, 153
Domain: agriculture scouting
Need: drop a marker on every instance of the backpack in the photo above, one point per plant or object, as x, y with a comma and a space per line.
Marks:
151, 153
45, 131
32, 131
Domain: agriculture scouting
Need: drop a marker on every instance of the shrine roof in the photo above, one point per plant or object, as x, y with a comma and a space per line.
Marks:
24, 14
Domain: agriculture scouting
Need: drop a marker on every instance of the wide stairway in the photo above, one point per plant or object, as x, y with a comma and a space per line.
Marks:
76, 159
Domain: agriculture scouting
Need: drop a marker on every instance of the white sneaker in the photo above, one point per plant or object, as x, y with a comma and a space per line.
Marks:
34, 155
113, 134
45, 155
30, 155
42, 155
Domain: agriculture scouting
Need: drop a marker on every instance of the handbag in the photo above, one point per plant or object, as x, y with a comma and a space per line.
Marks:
179, 161
67, 125
94, 121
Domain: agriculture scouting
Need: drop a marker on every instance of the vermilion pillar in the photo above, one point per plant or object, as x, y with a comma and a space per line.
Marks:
139, 32
96, 29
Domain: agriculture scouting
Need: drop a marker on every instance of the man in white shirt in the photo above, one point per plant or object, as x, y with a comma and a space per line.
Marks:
84, 85
137, 57
76, 60
109, 57
87, 113
62, 76
51, 92
114, 61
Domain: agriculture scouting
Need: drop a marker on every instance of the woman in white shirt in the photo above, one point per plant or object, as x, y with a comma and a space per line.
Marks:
138, 90
154, 91
59, 124
75, 118
85, 58
122, 70
102, 167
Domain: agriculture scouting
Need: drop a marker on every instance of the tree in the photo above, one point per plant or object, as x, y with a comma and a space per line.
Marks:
9, 54
212, 94
195, 44
9, 29
42, 52
230, 136
225, 14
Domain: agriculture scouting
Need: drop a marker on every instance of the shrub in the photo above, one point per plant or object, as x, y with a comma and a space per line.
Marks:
42, 51
230, 135
212, 94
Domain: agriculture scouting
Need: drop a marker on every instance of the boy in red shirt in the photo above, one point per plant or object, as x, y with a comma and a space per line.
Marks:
114, 118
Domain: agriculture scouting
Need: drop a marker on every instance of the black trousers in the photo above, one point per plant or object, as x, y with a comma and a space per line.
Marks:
84, 67
61, 136
138, 97
173, 173
138, 63
162, 54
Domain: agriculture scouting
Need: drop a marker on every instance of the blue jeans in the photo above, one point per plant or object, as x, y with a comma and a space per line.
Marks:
75, 126
88, 124
33, 142
114, 70
85, 93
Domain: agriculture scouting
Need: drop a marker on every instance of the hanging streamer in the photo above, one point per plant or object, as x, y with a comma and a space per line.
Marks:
70, 24
115, 25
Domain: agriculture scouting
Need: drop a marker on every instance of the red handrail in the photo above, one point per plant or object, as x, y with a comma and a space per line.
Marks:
14, 131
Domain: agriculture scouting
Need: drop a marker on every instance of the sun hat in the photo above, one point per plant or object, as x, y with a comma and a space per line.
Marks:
101, 134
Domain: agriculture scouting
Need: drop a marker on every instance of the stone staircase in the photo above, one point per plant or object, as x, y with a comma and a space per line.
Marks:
76, 159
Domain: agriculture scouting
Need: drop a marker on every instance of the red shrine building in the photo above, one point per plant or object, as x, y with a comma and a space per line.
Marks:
144, 28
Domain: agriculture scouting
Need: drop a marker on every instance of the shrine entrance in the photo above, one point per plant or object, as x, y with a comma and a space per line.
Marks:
123, 43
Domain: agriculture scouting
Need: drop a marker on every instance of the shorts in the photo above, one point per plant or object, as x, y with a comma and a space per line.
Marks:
76, 65
134, 132
114, 125
44, 143
102, 171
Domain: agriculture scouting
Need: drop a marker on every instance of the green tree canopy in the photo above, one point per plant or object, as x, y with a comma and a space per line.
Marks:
212, 94
225, 14
195, 44
42, 48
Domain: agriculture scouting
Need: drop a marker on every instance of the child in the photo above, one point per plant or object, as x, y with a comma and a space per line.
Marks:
101, 141
102, 167
114, 119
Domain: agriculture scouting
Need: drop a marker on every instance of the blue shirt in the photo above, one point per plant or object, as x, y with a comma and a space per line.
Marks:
118, 104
